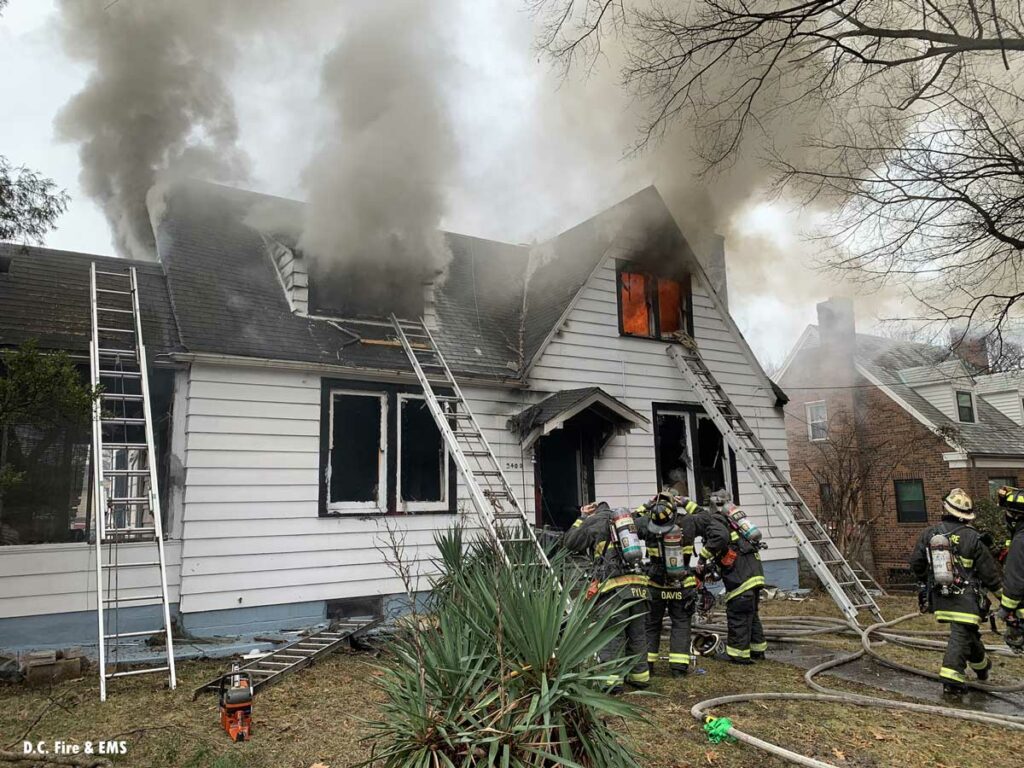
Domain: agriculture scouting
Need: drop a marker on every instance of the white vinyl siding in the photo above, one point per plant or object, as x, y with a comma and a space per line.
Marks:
37, 579
942, 397
252, 534
1008, 403
589, 352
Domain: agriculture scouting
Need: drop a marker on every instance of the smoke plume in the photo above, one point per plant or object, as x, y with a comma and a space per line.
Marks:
156, 103
376, 184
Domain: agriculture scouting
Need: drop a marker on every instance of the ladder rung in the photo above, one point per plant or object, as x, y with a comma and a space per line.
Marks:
116, 292
114, 274
122, 374
465, 433
267, 662
126, 473
146, 671
119, 396
116, 352
129, 500
138, 599
115, 310
121, 420
131, 565
143, 633
116, 330
126, 446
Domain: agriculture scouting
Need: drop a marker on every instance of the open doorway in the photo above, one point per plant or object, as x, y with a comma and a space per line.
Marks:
564, 479
690, 455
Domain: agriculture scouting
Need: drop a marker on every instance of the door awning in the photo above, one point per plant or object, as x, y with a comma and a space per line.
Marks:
554, 411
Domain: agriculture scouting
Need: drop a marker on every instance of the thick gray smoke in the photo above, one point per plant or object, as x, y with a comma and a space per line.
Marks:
376, 185
156, 102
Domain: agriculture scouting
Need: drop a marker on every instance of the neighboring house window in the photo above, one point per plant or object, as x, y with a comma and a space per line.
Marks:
910, 506
650, 305
357, 465
381, 451
965, 406
995, 483
817, 421
422, 458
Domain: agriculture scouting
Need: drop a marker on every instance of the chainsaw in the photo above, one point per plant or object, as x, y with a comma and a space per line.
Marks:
235, 694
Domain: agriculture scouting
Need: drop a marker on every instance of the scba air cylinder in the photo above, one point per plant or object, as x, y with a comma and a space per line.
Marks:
626, 535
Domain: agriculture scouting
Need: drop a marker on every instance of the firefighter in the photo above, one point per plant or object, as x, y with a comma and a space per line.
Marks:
616, 580
1011, 604
731, 547
954, 568
672, 586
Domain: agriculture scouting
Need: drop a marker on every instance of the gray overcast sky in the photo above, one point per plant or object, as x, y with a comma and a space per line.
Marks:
524, 171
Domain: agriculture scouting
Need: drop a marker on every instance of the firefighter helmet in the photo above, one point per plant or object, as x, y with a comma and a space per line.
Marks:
958, 504
1012, 501
662, 512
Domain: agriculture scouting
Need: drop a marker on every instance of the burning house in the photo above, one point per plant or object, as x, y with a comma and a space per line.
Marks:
292, 433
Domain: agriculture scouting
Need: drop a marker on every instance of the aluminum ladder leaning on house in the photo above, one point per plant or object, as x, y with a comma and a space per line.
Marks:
126, 500
492, 495
813, 541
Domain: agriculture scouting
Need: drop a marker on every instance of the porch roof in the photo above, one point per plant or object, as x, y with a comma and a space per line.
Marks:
553, 411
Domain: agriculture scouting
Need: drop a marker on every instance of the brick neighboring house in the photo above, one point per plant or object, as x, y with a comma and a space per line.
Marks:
943, 424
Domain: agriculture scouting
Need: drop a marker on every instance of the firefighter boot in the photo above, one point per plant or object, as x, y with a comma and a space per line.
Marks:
983, 671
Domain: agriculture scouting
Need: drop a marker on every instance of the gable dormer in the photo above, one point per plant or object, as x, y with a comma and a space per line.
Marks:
1005, 393
948, 386
292, 271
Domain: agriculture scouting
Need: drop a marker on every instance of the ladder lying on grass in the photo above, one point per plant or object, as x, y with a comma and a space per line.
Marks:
489, 489
126, 501
274, 667
824, 557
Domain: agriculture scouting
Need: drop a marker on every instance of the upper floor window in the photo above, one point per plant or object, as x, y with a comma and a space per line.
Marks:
965, 406
650, 305
817, 421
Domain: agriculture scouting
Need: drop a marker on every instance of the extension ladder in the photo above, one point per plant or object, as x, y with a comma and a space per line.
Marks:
126, 502
272, 668
492, 495
813, 541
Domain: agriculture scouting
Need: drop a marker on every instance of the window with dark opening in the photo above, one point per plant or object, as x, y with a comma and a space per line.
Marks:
690, 454
423, 460
650, 306
356, 472
910, 506
965, 406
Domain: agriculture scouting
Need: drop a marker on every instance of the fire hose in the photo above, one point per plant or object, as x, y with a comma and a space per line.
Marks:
802, 629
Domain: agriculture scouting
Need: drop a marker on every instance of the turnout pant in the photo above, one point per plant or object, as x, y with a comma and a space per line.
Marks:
745, 633
964, 647
679, 603
631, 640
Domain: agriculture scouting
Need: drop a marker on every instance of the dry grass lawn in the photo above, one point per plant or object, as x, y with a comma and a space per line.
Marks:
317, 717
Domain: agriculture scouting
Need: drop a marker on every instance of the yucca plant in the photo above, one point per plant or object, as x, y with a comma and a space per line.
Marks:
507, 675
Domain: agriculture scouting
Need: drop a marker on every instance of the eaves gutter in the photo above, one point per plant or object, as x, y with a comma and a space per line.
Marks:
359, 372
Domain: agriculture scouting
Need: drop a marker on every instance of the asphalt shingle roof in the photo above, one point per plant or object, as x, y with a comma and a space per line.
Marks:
216, 289
44, 295
888, 360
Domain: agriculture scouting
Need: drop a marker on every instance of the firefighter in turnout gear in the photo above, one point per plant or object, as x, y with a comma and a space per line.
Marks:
955, 568
611, 538
731, 546
672, 586
1011, 605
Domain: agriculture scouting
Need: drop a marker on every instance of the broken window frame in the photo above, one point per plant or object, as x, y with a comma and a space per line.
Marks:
380, 505
652, 281
691, 413
440, 505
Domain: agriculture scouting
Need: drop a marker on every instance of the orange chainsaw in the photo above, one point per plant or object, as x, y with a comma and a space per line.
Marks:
236, 704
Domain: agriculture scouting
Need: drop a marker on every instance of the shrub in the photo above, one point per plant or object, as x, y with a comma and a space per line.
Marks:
506, 675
